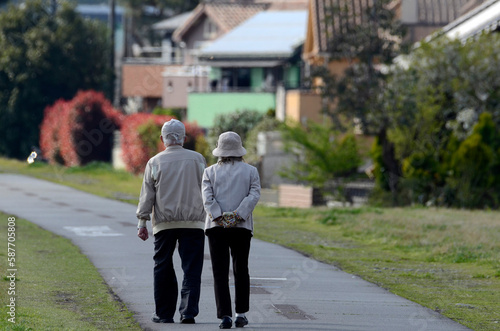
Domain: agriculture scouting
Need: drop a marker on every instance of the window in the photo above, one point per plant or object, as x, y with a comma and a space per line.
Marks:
209, 29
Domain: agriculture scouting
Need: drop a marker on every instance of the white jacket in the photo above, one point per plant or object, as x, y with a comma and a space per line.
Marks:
230, 187
171, 190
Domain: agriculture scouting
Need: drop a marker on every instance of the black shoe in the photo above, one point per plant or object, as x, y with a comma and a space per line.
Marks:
187, 319
157, 319
240, 322
226, 323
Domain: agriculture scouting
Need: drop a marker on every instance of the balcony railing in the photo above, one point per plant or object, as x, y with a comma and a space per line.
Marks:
153, 60
234, 89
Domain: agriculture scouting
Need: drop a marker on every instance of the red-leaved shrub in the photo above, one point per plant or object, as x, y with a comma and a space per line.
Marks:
141, 139
135, 152
49, 131
79, 131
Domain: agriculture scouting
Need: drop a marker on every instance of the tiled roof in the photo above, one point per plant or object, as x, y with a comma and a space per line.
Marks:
326, 23
470, 5
230, 15
288, 4
227, 15
439, 12
485, 17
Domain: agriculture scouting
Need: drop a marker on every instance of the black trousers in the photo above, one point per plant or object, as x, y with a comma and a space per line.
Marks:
191, 250
223, 243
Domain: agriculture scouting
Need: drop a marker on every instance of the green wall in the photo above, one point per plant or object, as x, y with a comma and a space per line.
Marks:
215, 73
204, 107
256, 77
292, 77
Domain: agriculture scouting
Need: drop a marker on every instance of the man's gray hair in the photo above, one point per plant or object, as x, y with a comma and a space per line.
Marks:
173, 139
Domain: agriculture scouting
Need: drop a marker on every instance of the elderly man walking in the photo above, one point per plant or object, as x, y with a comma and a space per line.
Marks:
171, 192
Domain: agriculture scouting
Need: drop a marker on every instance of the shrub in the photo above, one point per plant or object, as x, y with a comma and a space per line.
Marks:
322, 155
49, 132
474, 180
137, 135
175, 112
140, 139
268, 123
79, 131
240, 122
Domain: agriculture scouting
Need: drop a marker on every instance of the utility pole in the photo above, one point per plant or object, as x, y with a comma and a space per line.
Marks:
111, 24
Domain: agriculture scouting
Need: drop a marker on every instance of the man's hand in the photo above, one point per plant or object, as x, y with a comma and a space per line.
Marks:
143, 233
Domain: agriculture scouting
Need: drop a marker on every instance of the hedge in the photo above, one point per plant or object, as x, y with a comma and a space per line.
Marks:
80, 130
141, 139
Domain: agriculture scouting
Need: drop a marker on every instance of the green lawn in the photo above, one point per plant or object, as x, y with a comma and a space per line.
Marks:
445, 259
95, 178
56, 287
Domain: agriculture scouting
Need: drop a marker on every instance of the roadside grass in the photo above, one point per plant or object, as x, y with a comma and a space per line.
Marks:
445, 259
97, 178
57, 287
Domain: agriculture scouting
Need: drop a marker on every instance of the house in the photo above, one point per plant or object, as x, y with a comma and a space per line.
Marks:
167, 79
420, 17
251, 65
142, 75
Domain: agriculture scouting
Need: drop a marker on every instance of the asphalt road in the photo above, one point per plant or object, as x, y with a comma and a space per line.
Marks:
288, 291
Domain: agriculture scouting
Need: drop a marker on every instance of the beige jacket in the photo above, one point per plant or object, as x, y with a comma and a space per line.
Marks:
171, 190
230, 187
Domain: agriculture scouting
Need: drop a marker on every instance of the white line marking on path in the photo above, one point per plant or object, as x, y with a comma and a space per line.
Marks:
264, 278
93, 231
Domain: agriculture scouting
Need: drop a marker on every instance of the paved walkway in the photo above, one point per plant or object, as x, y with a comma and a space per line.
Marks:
289, 291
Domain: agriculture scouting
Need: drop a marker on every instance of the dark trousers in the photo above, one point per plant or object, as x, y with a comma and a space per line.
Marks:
223, 243
191, 247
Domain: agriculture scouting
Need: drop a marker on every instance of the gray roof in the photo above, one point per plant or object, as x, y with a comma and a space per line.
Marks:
172, 23
483, 18
267, 34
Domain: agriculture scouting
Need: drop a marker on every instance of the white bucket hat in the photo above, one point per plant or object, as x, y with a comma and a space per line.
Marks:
229, 144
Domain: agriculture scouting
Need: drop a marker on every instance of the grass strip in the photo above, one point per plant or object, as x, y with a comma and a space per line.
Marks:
447, 260
56, 287
97, 178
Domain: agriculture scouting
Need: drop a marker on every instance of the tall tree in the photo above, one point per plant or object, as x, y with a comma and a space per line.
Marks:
445, 122
45, 56
368, 36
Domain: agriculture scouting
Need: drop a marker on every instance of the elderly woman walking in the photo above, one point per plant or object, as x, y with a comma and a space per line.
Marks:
231, 190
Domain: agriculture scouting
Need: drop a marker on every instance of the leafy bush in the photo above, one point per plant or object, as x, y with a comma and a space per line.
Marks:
240, 122
49, 132
139, 132
174, 112
322, 156
141, 139
268, 123
444, 113
79, 131
45, 57
474, 180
